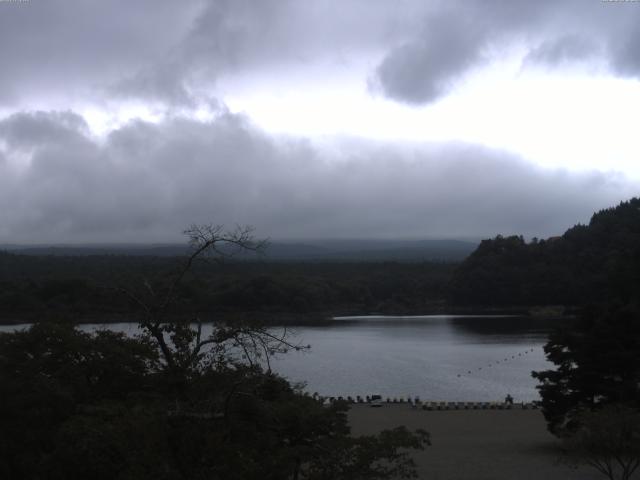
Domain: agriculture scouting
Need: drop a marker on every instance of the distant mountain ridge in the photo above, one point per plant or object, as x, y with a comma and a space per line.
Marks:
321, 250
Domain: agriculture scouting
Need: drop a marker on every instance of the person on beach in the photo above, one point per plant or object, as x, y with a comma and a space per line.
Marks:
508, 399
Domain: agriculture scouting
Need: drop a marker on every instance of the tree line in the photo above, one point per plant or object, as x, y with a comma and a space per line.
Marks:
588, 263
83, 288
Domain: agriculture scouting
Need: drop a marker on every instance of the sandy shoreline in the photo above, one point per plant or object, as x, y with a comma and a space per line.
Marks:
476, 444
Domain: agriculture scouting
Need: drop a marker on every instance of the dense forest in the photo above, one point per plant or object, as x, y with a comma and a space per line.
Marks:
88, 288
589, 263
349, 250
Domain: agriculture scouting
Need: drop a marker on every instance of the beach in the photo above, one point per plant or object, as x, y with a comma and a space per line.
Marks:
476, 444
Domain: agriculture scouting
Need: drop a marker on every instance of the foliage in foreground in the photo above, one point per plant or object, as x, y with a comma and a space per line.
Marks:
597, 363
175, 403
592, 399
607, 440
101, 406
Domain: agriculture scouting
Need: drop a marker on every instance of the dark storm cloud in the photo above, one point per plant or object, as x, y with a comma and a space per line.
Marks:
626, 51
174, 51
26, 130
147, 182
461, 36
71, 46
232, 36
569, 48
422, 69
226, 35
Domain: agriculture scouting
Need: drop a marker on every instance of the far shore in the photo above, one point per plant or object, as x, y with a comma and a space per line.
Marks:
476, 444
317, 318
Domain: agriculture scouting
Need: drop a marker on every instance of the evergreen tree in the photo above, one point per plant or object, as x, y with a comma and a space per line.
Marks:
597, 363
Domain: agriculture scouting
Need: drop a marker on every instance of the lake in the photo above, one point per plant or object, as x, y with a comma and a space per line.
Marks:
452, 358
435, 357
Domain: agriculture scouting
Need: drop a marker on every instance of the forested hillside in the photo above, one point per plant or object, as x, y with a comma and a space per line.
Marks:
595, 262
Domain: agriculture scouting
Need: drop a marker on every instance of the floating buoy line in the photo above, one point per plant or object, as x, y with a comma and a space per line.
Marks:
496, 363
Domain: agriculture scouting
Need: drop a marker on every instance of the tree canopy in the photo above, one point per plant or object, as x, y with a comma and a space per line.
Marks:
597, 363
595, 262
607, 440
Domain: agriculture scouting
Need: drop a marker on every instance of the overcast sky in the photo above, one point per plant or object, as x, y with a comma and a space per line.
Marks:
128, 120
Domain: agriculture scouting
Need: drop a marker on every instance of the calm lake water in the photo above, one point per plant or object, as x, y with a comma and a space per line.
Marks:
452, 358
435, 357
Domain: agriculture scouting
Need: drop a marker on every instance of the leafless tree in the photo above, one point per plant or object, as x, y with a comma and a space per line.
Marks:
180, 338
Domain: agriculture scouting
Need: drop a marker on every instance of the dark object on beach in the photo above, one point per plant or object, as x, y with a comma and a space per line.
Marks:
508, 399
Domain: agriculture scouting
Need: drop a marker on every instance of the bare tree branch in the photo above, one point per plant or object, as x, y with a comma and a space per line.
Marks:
186, 348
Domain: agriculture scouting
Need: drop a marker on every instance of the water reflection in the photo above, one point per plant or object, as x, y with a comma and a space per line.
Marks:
457, 358
453, 358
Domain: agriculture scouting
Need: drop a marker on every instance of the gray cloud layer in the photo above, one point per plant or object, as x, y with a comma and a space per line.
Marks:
146, 182
173, 52
70, 47
460, 35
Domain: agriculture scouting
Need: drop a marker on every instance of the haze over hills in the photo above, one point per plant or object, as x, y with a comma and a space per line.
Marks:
312, 250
